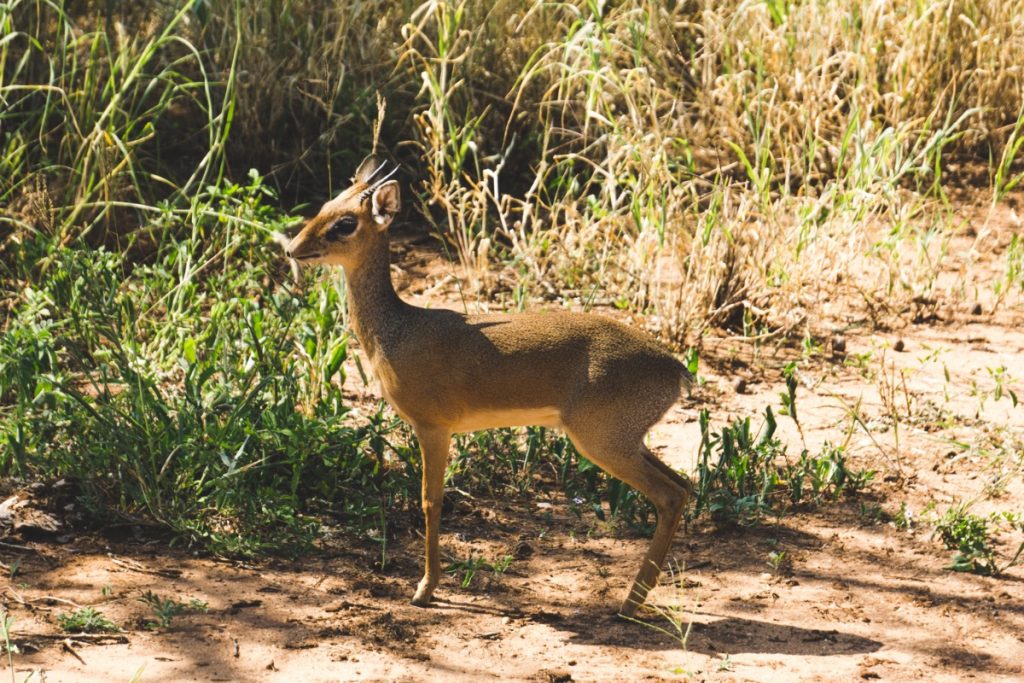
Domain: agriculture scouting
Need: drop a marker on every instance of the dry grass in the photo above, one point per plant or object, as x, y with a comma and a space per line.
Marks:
729, 163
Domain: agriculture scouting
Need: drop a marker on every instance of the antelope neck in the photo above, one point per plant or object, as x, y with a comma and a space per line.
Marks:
374, 307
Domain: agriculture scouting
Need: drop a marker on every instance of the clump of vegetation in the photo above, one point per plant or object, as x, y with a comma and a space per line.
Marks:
468, 568
165, 609
184, 392
86, 620
971, 536
744, 476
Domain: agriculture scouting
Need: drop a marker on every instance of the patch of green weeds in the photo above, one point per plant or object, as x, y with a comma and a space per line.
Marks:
903, 519
86, 620
827, 476
191, 392
744, 476
165, 609
468, 568
972, 536
735, 476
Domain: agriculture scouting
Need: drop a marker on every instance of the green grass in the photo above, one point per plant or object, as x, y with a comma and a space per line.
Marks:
185, 392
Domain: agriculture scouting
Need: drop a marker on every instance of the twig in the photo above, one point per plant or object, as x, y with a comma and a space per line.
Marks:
13, 546
115, 638
136, 567
67, 647
10, 592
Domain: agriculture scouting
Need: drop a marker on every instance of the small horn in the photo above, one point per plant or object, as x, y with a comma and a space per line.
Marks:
366, 170
365, 194
376, 171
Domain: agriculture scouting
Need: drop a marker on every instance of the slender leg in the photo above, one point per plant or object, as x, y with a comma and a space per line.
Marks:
434, 443
669, 492
668, 521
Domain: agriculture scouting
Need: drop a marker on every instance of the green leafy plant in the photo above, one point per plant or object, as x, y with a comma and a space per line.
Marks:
165, 609
736, 474
971, 536
692, 361
1001, 379
826, 476
780, 561
86, 620
468, 568
904, 518
788, 398
743, 476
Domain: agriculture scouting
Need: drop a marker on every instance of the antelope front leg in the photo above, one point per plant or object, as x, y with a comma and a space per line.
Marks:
434, 448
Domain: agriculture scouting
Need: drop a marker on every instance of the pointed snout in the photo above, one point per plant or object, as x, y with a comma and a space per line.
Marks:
305, 247
293, 249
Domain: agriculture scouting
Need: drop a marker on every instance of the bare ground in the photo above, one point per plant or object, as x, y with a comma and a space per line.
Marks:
855, 598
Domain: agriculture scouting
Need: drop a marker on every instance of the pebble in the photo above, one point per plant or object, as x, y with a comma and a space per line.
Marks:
838, 346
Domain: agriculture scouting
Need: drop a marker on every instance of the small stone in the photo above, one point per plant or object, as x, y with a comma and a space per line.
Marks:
899, 345
838, 346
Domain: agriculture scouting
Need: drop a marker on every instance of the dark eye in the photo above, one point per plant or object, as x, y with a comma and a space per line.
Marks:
343, 227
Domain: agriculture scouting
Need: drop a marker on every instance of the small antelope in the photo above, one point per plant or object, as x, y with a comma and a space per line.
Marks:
602, 382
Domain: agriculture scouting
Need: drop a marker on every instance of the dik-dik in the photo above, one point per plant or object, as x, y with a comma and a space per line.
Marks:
602, 382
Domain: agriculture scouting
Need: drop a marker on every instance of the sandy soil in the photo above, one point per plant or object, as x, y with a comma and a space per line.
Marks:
857, 598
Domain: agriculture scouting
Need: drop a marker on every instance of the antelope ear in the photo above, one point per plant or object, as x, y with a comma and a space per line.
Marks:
386, 204
369, 167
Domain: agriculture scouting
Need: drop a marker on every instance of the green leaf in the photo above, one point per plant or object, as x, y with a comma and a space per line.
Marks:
188, 349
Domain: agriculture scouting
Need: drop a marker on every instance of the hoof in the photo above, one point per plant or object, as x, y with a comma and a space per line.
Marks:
422, 596
628, 610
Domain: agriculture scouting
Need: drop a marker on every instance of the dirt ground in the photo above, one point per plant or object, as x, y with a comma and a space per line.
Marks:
856, 597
